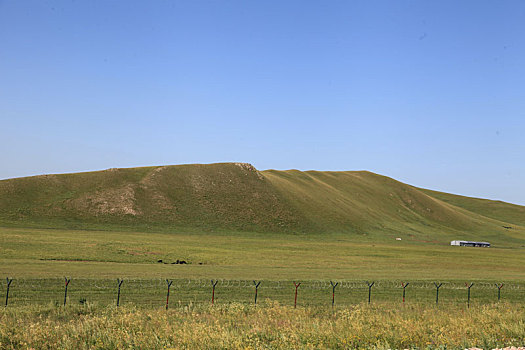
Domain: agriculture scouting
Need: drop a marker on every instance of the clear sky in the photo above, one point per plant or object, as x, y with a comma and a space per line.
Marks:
431, 93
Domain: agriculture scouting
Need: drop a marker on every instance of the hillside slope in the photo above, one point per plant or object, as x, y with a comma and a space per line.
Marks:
238, 197
369, 203
215, 196
511, 213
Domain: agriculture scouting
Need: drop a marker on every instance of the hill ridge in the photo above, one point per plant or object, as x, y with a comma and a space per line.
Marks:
238, 197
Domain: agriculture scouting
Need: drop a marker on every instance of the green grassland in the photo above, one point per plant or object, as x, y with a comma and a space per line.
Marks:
38, 259
235, 224
50, 253
271, 326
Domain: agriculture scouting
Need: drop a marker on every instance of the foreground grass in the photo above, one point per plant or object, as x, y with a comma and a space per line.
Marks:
234, 326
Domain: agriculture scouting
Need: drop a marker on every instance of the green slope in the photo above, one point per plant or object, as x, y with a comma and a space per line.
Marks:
371, 204
510, 213
237, 197
216, 196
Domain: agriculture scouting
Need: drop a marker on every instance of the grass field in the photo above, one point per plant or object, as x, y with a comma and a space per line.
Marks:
270, 326
234, 224
38, 253
39, 259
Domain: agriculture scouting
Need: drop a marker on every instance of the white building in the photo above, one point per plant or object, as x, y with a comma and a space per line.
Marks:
470, 244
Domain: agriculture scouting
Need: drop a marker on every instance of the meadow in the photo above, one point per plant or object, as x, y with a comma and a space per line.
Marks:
52, 253
38, 260
269, 326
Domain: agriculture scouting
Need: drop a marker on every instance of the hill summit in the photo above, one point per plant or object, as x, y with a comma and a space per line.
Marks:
238, 197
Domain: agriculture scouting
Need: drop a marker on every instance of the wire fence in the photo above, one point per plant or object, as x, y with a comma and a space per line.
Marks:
154, 292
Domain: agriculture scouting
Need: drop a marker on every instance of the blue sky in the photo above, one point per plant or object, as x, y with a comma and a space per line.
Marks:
428, 92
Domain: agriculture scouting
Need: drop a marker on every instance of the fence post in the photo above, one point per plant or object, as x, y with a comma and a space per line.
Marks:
499, 290
7, 292
333, 292
213, 284
168, 294
404, 287
370, 285
468, 293
65, 291
119, 281
437, 291
256, 284
296, 286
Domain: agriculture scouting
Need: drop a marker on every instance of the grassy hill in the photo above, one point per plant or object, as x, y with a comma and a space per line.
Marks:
238, 197
511, 213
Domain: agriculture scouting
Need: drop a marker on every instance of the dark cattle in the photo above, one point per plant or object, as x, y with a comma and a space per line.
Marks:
179, 262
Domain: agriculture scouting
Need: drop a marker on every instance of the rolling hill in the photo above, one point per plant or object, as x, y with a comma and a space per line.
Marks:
238, 197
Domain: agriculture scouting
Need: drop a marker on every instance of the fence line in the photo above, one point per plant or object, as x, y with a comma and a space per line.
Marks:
153, 291
271, 284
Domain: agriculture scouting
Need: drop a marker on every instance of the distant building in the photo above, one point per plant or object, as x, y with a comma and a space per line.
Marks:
470, 244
